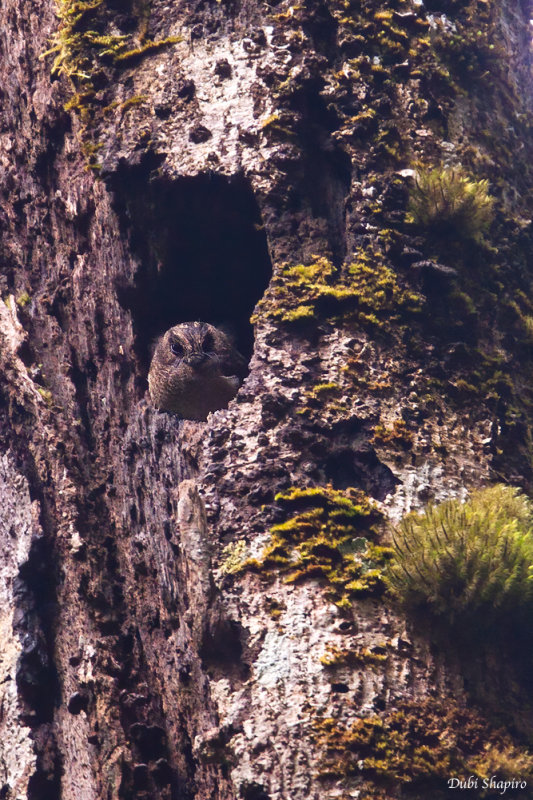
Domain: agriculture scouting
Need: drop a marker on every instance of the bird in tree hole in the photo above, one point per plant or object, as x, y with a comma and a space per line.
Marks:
195, 369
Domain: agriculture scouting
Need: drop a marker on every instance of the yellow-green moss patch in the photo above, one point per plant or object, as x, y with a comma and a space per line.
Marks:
448, 201
362, 657
366, 291
233, 557
329, 537
469, 564
88, 50
422, 744
396, 434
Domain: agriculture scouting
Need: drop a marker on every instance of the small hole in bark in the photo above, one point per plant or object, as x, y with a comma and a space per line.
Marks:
201, 249
341, 688
222, 644
140, 776
253, 791
150, 740
362, 468
77, 702
45, 783
162, 772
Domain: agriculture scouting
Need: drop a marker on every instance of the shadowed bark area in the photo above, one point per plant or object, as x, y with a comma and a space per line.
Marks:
196, 611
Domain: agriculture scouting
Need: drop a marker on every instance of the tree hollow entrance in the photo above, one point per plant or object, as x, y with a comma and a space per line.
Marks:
202, 253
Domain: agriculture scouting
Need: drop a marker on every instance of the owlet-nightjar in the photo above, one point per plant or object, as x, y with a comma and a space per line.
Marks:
195, 369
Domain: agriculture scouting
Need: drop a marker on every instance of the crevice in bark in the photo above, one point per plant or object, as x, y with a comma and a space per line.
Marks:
45, 783
149, 768
35, 593
80, 379
152, 770
36, 602
324, 177
326, 182
202, 253
321, 26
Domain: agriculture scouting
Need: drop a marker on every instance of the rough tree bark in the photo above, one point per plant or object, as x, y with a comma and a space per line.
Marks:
144, 652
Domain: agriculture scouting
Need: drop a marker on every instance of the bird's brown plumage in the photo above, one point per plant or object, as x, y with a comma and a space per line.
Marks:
195, 369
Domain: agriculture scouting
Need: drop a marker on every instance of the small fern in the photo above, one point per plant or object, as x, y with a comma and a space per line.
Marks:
471, 560
446, 201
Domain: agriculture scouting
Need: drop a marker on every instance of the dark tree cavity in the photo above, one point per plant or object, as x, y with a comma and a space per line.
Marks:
201, 250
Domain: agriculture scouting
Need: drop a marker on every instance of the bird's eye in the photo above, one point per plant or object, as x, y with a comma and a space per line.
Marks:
208, 343
176, 348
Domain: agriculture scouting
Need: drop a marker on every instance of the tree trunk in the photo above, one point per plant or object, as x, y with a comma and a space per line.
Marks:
167, 163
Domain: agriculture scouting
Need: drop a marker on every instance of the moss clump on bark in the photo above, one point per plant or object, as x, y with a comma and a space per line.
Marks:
363, 657
23, 300
233, 556
468, 564
367, 292
86, 49
448, 201
419, 746
396, 435
330, 537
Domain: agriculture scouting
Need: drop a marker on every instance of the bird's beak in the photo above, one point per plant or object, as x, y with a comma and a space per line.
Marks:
195, 359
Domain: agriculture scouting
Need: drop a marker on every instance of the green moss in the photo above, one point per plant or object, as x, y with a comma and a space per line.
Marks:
460, 388
23, 300
76, 45
420, 745
279, 125
46, 394
275, 609
324, 390
527, 321
85, 48
363, 657
462, 304
148, 48
132, 102
233, 557
472, 50
272, 119
448, 201
297, 314
396, 435
327, 538
468, 564
366, 291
